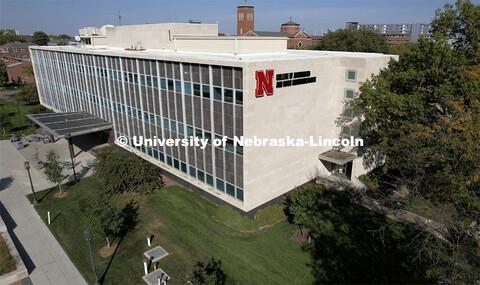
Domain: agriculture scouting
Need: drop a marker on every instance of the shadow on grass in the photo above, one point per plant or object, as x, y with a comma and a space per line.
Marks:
355, 245
130, 221
54, 218
102, 279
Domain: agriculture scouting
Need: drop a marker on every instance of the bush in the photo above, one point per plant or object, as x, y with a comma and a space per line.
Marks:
210, 274
122, 172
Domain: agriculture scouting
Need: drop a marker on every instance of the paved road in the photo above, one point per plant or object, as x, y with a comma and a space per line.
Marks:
44, 258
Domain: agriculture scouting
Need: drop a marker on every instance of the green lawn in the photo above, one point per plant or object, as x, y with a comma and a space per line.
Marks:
7, 264
16, 128
183, 223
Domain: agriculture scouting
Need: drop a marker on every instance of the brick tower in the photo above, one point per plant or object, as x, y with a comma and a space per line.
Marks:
245, 19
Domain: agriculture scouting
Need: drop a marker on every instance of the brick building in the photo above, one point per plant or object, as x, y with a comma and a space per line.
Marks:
16, 71
15, 50
291, 30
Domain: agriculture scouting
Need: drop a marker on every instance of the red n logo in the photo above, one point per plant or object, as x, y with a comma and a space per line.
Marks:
264, 82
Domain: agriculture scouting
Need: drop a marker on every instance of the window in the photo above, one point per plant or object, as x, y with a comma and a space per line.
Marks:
188, 88
162, 157
220, 185
351, 75
196, 89
173, 126
192, 171
180, 128
209, 179
178, 86
201, 175
163, 84
239, 150
347, 112
346, 130
206, 91
230, 190
170, 85
149, 81
169, 160
176, 164
229, 145
228, 95
349, 93
240, 194
189, 131
183, 167
165, 123
198, 133
217, 93
239, 97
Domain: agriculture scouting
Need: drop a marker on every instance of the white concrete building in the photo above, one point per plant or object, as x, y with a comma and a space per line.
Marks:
182, 80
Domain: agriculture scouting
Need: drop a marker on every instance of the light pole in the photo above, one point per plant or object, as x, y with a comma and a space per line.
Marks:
88, 238
27, 167
68, 136
19, 116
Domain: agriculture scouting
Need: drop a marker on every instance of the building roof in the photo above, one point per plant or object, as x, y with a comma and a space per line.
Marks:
271, 34
290, 23
73, 123
206, 57
17, 45
337, 157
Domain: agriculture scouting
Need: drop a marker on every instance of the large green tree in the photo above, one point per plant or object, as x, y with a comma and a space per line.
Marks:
105, 219
40, 38
353, 40
122, 172
421, 129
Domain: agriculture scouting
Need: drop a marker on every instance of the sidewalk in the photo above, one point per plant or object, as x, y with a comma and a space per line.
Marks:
44, 258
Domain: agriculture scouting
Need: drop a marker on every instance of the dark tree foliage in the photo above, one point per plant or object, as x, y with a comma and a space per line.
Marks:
352, 244
9, 36
40, 38
125, 172
209, 274
421, 129
28, 94
3, 74
353, 40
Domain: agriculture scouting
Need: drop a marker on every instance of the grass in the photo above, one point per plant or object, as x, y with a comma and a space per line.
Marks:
7, 264
183, 224
16, 128
265, 217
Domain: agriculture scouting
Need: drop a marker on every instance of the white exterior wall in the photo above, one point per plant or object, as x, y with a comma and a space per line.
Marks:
299, 112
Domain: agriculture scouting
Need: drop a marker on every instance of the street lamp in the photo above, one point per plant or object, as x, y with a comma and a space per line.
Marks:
19, 116
27, 167
68, 136
88, 238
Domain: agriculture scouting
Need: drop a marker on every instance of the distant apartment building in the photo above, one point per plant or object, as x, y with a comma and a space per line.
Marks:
185, 81
296, 37
396, 33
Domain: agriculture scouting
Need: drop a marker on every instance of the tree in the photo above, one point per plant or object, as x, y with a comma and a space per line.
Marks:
4, 120
9, 36
104, 218
28, 94
3, 74
28, 70
353, 40
209, 274
40, 38
421, 128
299, 206
125, 172
53, 169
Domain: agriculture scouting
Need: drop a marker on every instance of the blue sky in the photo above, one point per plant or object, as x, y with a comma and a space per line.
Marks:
315, 16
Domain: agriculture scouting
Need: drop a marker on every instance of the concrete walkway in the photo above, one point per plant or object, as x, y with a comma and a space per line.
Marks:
44, 258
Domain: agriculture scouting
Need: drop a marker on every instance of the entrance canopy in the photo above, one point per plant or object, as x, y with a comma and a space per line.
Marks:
72, 124
336, 157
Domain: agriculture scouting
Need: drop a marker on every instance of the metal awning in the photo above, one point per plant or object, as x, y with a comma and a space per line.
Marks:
73, 123
336, 157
